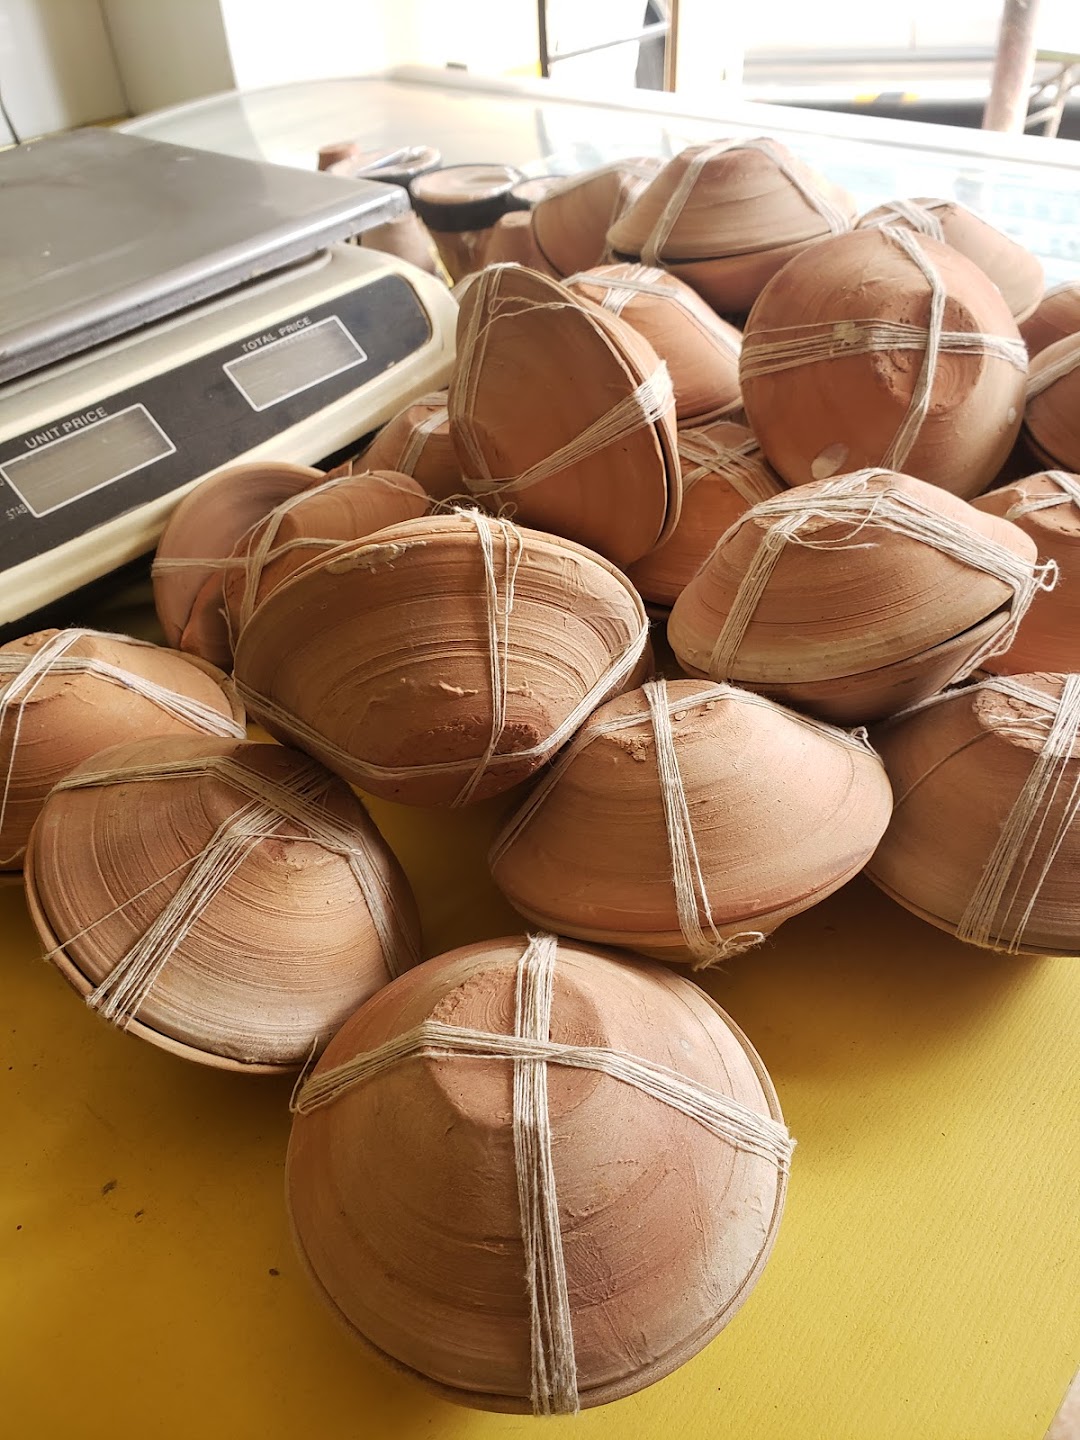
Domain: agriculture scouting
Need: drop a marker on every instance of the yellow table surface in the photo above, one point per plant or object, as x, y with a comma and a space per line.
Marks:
925, 1283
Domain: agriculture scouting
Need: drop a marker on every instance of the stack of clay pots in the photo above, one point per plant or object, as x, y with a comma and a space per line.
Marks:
870, 669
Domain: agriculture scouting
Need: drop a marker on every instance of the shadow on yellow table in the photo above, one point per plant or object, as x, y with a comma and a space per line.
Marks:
924, 1285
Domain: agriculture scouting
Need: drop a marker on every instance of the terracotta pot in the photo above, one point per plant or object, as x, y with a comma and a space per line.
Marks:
964, 850
1016, 272
301, 914
723, 474
701, 350
783, 809
510, 242
193, 551
380, 658
571, 223
1046, 507
87, 690
347, 507
459, 204
538, 373
869, 605
834, 360
412, 1174
1057, 315
726, 216
1052, 416
415, 442
407, 237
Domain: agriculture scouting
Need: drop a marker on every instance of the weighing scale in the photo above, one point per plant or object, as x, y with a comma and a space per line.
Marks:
166, 312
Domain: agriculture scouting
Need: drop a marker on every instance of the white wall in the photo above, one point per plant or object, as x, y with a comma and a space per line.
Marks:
273, 41
56, 66
167, 52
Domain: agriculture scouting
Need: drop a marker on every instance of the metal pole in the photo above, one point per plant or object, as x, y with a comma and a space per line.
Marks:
1014, 67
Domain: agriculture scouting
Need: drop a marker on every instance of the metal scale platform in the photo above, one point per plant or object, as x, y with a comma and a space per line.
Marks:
166, 312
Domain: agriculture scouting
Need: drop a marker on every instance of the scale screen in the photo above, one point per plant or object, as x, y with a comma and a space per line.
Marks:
62, 469
271, 373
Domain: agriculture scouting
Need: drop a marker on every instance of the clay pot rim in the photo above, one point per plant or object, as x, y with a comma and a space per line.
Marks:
82, 986
668, 261
950, 928
614, 1389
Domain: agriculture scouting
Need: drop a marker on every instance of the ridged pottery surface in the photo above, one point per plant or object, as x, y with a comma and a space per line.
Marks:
511, 242
427, 671
570, 223
864, 611
701, 350
1016, 272
206, 526
726, 216
403, 1191
783, 810
965, 849
1057, 315
565, 412
723, 473
269, 950
1052, 417
1046, 507
346, 508
415, 442
93, 691
835, 361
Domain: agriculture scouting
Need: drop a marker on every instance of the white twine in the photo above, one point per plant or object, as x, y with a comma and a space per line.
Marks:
553, 1367
648, 403
767, 352
647, 280
849, 501
704, 941
834, 218
741, 466
28, 671
918, 217
498, 614
1042, 379
687, 877
1011, 859
122, 993
1068, 485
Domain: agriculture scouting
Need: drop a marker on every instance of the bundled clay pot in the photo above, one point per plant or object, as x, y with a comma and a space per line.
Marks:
416, 442
1052, 416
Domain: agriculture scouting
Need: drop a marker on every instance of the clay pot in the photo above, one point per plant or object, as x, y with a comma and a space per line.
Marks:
407, 237
540, 372
701, 350
303, 913
415, 442
193, 551
1046, 507
829, 386
459, 204
86, 690
965, 850
411, 1174
868, 606
725, 217
347, 507
1057, 315
783, 811
511, 242
1016, 272
723, 474
571, 222
381, 658
1052, 416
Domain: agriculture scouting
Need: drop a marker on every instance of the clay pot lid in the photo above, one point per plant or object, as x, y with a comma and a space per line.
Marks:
372, 1260
73, 892
1025, 503
1016, 272
732, 197
206, 525
812, 606
522, 338
464, 197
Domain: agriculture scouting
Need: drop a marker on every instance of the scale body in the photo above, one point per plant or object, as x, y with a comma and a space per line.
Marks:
279, 361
